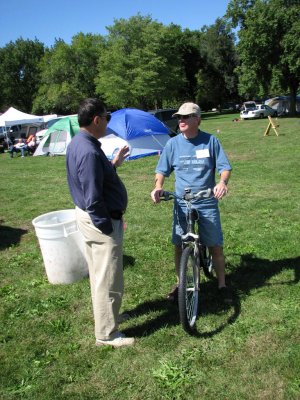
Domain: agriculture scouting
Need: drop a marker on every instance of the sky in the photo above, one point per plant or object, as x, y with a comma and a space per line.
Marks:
62, 19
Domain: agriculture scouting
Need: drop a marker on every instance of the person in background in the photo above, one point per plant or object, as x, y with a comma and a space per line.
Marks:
195, 156
2, 145
20, 146
31, 143
101, 200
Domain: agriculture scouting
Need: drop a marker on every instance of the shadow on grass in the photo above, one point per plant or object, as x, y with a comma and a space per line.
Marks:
10, 236
169, 315
128, 261
254, 272
251, 273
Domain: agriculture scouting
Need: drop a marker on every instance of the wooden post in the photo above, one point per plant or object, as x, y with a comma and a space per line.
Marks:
271, 125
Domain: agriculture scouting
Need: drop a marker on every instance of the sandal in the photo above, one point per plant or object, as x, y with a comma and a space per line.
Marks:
173, 295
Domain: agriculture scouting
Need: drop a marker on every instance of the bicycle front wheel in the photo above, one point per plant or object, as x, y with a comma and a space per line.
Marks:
188, 290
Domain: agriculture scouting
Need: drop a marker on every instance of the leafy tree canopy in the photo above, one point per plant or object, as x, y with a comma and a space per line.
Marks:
67, 74
19, 73
141, 65
145, 64
216, 78
269, 47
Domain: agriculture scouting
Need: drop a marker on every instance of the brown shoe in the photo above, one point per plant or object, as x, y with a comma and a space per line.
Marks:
226, 294
173, 295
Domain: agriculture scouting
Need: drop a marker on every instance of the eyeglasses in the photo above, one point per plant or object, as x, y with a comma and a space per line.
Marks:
185, 116
107, 117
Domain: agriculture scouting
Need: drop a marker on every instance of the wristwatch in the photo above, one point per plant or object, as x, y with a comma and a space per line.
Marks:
224, 181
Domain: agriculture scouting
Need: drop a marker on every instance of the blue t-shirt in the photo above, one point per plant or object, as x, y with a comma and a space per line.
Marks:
194, 161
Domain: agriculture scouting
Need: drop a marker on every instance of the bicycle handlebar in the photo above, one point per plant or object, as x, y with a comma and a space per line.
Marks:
188, 196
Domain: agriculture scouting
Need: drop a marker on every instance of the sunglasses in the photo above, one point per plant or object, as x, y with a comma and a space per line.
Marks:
107, 117
185, 116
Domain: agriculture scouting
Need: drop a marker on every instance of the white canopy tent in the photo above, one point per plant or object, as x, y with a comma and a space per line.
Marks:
15, 117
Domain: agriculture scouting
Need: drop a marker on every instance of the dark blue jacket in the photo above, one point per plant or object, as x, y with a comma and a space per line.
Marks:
93, 182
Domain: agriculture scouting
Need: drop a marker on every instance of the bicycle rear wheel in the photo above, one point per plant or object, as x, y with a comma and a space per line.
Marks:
206, 263
188, 289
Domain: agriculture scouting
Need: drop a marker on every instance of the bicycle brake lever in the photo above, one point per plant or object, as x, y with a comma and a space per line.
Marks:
204, 193
165, 196
208, 192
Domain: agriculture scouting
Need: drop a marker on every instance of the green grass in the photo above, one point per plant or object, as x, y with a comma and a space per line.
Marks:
248, 351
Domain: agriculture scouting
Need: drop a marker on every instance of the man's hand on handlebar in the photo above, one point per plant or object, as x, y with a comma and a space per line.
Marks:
156, 195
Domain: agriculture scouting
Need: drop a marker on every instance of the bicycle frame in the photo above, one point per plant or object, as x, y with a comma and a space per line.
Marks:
192, 259
188, 197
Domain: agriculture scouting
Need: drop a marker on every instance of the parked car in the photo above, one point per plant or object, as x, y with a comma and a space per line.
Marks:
260, 111
165, 116
248, 105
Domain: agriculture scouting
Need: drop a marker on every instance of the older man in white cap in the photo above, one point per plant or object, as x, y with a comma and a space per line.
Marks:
196, 156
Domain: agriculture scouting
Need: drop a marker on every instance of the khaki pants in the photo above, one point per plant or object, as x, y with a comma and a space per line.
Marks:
104, 254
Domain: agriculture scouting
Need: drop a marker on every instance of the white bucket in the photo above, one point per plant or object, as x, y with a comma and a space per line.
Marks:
62, 246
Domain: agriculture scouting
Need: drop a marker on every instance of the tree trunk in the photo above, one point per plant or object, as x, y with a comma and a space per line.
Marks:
293, 94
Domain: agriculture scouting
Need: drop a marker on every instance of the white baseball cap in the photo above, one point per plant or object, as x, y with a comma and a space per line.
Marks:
188, 108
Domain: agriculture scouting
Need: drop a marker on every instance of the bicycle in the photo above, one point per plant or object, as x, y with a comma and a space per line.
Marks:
195, 256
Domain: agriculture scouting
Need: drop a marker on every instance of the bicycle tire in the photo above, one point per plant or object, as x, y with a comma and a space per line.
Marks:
206, 263
188, 289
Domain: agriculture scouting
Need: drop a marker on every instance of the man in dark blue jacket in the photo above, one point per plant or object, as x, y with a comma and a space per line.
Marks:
101, 199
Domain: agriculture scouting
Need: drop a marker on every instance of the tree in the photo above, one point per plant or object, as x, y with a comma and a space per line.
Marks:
19, 73
140, 66
216, 80
236, 11
67, 74
190, 53
269, 47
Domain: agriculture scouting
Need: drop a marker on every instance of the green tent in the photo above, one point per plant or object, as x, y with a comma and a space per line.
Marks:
58, 136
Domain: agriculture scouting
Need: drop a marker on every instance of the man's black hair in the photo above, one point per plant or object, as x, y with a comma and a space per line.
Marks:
88, 109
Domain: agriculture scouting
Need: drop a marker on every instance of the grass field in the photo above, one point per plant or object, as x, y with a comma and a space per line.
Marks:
250, 350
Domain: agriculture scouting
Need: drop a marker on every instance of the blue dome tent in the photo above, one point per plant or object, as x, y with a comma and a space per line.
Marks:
142, 132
